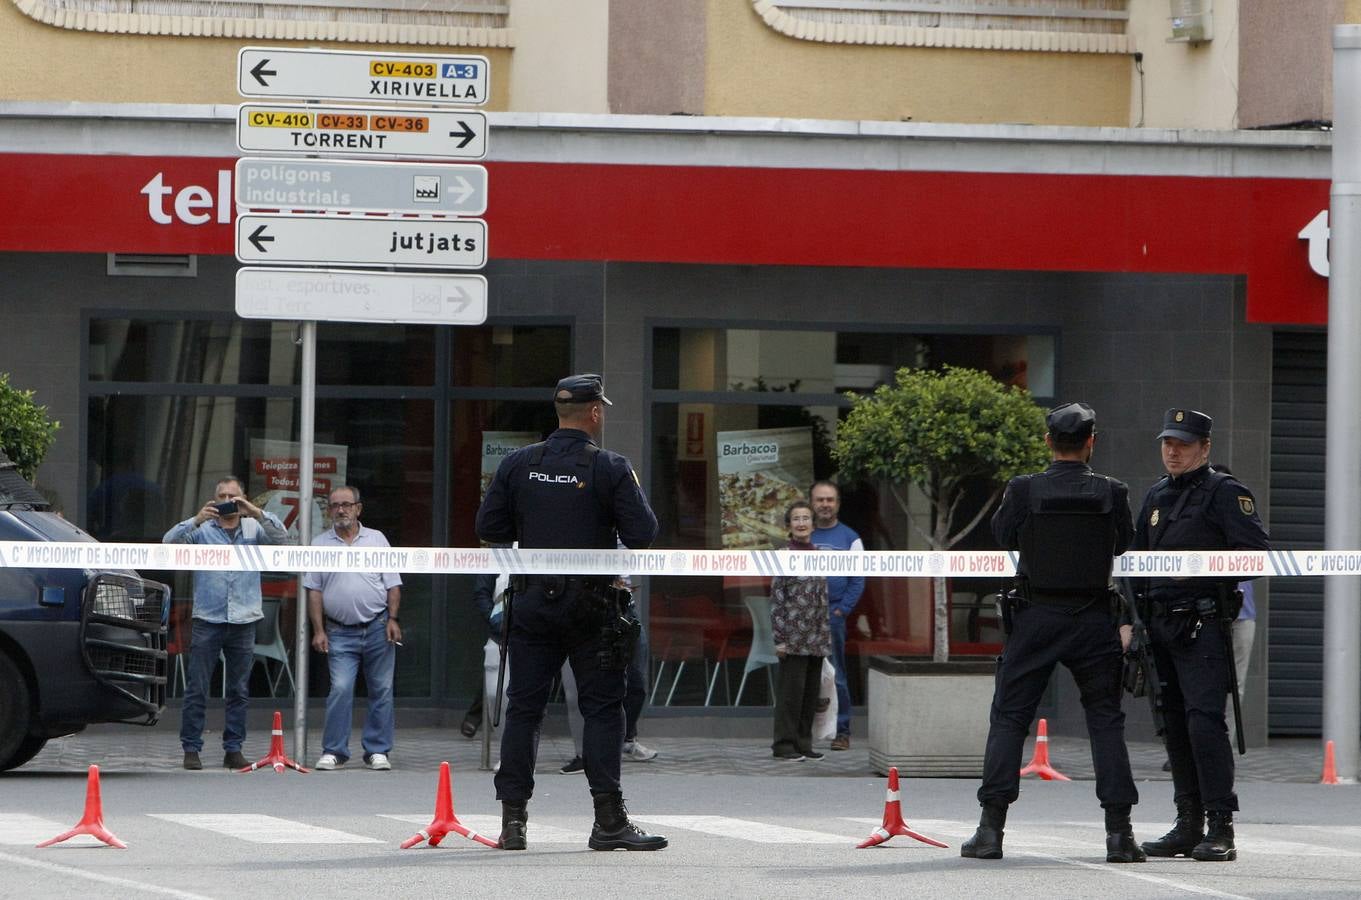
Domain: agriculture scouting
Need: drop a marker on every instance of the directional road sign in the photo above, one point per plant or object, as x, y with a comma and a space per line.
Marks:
349, 75
354, 186
362, 131
362, 241
328, 295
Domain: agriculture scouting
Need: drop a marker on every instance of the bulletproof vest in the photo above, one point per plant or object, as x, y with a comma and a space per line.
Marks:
559, 502
1068, 536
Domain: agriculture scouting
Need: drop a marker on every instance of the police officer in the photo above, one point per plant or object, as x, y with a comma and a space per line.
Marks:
1194, 507
567, 492
1068, 522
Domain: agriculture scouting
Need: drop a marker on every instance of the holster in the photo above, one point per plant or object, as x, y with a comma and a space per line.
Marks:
620, 630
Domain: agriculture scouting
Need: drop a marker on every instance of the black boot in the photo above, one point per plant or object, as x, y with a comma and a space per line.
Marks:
1120, 845
514, 822
1218, 844
986, 842
614, 831
1186, 833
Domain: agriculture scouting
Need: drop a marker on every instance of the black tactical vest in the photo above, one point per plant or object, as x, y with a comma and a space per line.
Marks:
560, 503
1068, 537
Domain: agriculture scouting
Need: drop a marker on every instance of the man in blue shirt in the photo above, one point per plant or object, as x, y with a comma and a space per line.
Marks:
226, 607
843, 593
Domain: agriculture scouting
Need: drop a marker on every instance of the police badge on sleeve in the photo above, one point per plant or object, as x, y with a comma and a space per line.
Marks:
1245, 505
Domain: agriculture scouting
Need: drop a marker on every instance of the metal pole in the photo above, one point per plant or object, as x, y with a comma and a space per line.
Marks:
1342, 518
306, 436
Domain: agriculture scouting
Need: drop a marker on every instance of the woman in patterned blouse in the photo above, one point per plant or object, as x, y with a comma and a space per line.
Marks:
798, 616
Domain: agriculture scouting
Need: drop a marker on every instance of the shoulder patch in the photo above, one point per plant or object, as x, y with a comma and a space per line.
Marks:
1153, 519
635, 478
1245, 505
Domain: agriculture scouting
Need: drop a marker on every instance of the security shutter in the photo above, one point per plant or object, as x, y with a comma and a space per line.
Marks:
1295, 623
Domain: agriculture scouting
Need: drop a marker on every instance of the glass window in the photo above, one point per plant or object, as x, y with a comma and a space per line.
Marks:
511, 356
196, 351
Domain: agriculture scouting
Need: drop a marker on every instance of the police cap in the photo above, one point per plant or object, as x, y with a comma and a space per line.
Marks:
1185, 425
581, 389
1074, 420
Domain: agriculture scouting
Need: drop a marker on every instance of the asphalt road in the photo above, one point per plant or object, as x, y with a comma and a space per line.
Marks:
336, 835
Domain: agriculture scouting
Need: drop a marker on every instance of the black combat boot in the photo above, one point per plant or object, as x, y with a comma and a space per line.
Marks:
514, 822
986, 842
614, 831
1120, 845
1218, 844
1186, 833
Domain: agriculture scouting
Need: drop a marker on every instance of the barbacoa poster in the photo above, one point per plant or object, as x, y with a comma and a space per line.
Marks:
760, 473
496, 446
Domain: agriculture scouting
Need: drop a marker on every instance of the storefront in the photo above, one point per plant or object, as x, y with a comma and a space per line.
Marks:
732, 280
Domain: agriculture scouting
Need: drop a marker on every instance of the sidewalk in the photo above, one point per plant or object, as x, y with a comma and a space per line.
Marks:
129, 748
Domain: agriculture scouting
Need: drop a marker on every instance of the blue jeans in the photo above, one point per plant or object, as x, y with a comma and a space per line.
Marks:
236, 643
843, 687
352, 645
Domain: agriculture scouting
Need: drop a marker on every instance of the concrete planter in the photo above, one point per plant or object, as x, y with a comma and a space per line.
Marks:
929, 719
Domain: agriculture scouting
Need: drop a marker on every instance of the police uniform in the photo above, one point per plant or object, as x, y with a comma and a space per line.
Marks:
1067, 522
1199, 510
565, 492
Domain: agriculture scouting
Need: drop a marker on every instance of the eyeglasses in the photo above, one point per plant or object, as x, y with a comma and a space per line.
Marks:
343, 504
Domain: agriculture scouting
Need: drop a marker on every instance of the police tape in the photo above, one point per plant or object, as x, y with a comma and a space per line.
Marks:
750, 563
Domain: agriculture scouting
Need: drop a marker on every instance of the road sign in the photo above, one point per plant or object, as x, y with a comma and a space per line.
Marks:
355, 186
362, 131
362, 241
350, 75
328, 295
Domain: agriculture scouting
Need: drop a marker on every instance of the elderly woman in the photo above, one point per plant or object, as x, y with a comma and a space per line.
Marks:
798, 614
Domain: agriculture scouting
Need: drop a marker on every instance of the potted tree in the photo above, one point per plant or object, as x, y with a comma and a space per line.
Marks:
938, 431
26, 432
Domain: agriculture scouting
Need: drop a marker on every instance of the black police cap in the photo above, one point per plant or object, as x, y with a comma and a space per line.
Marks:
1077, 420
1185, 425
581, 389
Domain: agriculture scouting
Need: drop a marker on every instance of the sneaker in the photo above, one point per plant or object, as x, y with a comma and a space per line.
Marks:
329, 762
790, 755
637, 752
813, 755
191, 761
575, 766
233, 759
841, 742
378, 762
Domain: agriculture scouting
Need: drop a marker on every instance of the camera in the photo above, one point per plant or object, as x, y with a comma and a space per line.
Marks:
228, 508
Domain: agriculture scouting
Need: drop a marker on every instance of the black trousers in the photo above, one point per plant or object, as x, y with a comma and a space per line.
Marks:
796, 702
1194, 672
1088, 644
544, 633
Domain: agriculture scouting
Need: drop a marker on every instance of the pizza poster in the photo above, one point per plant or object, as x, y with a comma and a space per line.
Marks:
760, 473
496, 446
273, 487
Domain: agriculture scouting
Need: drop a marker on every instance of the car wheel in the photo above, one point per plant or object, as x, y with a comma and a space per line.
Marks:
31, 747
14, 711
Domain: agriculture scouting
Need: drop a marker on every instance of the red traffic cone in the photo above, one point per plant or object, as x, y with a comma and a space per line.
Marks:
1329, 765
276, 756
1039, 764
92, 822
445, 821
893, 820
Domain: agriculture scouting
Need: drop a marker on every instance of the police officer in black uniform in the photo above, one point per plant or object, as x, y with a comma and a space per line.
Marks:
1068, 522
1194, 507
566, 492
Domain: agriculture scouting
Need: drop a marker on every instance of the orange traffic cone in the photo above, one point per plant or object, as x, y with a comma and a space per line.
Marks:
1039, 763
445, 821
1329, 765
92, 822
893, 820
276, 756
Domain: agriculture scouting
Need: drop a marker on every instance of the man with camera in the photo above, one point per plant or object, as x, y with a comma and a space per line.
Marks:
226, 607
567, 492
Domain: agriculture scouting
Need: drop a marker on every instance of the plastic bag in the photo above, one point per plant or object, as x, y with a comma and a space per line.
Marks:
824, 722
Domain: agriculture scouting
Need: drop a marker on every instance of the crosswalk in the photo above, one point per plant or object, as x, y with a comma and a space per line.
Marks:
19, 829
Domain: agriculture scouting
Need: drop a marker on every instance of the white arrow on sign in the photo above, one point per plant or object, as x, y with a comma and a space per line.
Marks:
349, 295
362, 241
351, 75
360, 186
362, 131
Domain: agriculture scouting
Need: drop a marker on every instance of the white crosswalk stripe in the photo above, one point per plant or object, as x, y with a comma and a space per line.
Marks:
490, 826
260, 829
22, 829
744, 829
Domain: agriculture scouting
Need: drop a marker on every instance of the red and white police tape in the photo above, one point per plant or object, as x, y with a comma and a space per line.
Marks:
1240, 564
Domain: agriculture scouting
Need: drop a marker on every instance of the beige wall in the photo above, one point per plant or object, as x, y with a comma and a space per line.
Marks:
47, 63
560, 57
1186, 85
1285, 65
657, 50
754, 71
